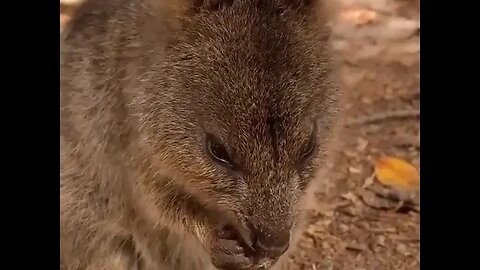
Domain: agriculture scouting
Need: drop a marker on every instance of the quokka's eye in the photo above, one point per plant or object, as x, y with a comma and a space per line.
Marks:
217, 151
309, 148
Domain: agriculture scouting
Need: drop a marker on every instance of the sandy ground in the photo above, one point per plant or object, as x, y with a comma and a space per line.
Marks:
356, 226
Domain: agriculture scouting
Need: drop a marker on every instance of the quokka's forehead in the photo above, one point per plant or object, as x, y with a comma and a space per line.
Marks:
262, 132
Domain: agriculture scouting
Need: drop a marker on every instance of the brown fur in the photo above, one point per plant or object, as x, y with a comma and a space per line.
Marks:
142, 81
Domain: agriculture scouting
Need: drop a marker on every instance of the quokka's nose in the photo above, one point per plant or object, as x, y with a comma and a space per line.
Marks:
271, 243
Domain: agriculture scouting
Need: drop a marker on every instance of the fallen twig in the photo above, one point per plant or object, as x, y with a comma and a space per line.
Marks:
382, 116
355, 247
382, 230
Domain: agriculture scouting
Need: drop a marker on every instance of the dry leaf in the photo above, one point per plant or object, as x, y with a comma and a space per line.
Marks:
369, 181
362, 144
397, 173
359, 16
354, 170
371, 200
71, 2
64, 19
350, 197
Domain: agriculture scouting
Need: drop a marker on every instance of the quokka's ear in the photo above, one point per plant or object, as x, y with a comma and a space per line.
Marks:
172, 10
189, 6
298, 3
210, 5
322, 8
304, 5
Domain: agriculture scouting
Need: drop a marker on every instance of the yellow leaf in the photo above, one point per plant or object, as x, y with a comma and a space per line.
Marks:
397, 173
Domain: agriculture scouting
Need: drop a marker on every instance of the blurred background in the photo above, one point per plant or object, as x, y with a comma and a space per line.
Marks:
367, 215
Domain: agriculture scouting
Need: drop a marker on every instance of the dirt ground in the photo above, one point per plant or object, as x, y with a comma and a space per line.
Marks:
355, 227
359, 225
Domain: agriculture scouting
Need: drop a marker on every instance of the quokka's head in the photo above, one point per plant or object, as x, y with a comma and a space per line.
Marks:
241, 103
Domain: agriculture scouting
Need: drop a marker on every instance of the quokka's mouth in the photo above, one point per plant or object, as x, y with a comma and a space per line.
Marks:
240, 235
246, 240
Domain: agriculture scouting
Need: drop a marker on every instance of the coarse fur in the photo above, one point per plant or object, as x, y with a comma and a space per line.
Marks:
142, 84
